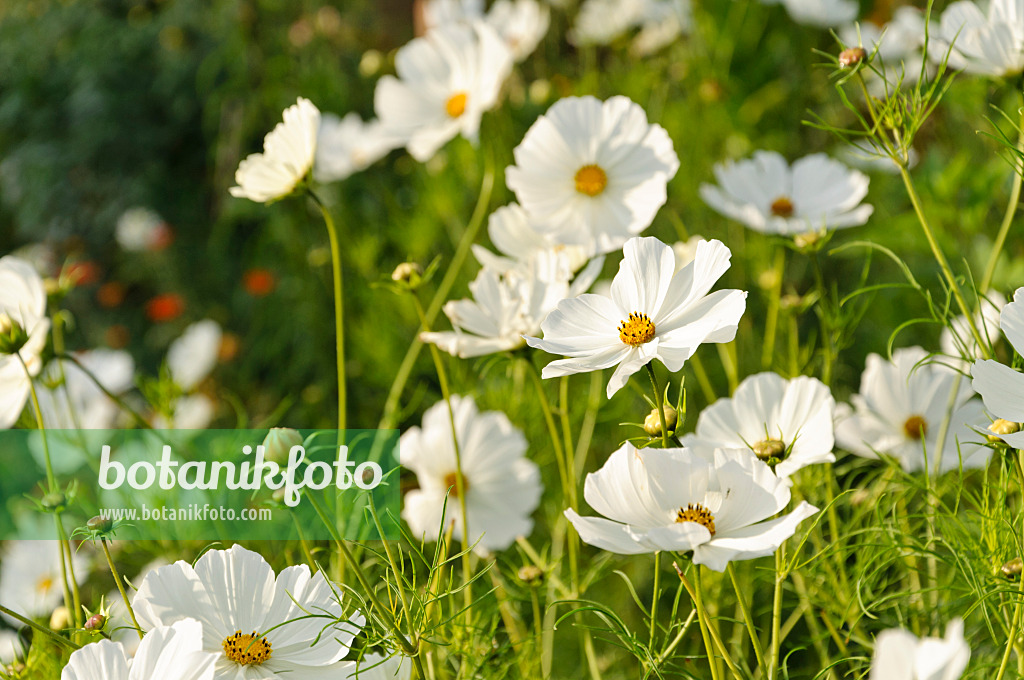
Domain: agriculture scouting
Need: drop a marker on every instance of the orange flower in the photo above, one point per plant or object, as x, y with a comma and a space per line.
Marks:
165, 307
259, 282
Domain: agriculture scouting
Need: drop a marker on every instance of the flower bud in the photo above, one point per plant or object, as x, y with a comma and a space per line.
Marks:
60, 618
54, 501
852, 56
530, 575
408, 272
770, 448
1012, 568
1001, 426
95, 622
279, 443
100, 524
652, 423
12, 335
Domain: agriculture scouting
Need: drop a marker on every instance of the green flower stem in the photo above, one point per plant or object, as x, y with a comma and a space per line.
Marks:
708, 630
771, 323
339, 308
43, 630
702, 379
390, 414
660, 404
654, 598
1011, 636
120, 586
780, 577
683, 629
563, 413
399, 584
1011, 212
755, 641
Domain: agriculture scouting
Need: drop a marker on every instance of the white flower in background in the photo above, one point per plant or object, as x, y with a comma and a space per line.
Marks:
11, 647
30, 577
502, 486
768, 195
678, 500
686, 250
119, 624
957, 341
654, 312
258, 626
288, 154
76, 402
593, 173
446, 80
505, 307
600, 22
822, 13
194, 355
23, 333
901, 411
348, 145
376, 667
165, 653
520, 240
900, 655
789, 420
987, 45
899, 44
1001, 387
140, 229
437, 13
522, 24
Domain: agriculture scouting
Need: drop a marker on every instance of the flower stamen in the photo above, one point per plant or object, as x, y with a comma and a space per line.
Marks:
782, 207
456, 104
637, 330
245, 649
695, 512
915, 428
451, 482
591, 180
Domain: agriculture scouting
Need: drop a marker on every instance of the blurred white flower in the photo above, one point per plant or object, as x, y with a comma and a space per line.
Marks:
654, 312
522, 24
259, 626
520, 239
119, 624
1001, 387
502, 486
686, 250
437, 13
901, 411
23, 333
446, 81
593, 173
30, 577
789, 420
11, 647
165, 653
188, 412
76, 402
768, 195
678, 500
900, 655
822, 13
348, 145
140, 229
987, 45
193, 356
600, 22
957, 341
288, 154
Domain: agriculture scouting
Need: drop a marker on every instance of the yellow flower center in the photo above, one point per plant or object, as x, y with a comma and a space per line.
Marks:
636, 330
44, 584
782, 207
456, 104
915, 427
695, 512
246, 649
451, 482
591, 180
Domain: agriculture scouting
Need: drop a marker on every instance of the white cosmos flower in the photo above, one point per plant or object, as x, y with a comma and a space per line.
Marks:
30, 577
768, 195
957, 341
901, 411
654, 312
193, 356
989, 44
777, 418
522, 24
348, 145
376, 667
686, 250
165, 653
502, 486
678, 500
593, 172
76, 402
520, 239
900, 655
1001, 387
446, 81
22, 302
438, 13
821, 13
507, 306
11, 647
258, 626
139, 229
600, 22
288, 153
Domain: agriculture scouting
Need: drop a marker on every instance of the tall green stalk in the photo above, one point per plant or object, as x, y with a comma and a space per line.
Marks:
339, 308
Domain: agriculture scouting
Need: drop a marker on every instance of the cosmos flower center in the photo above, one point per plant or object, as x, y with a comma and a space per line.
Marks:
695, 512
769, 448
246, 649
456, 104
451, 482
637, 330
44, 584
591, 180
915, 427
782, 207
